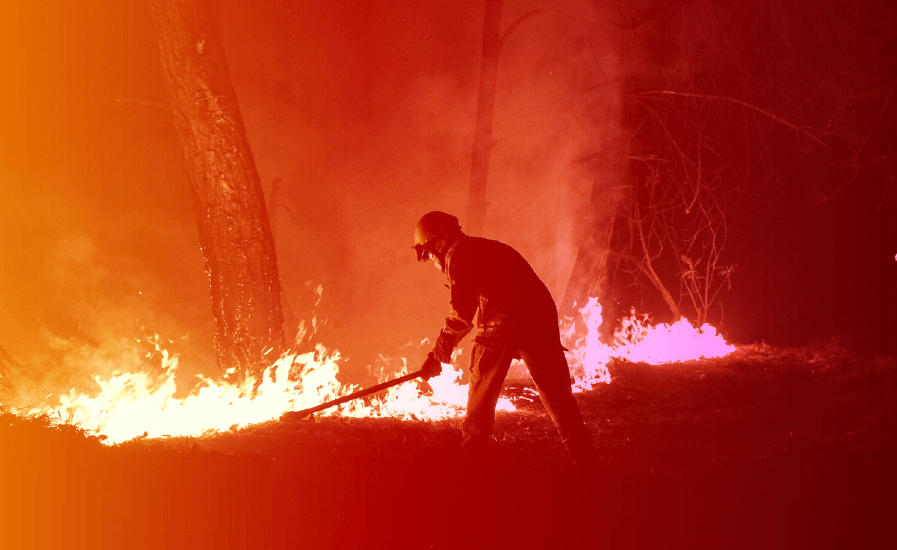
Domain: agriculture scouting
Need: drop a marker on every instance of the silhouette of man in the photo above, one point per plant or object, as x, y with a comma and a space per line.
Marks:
516, 317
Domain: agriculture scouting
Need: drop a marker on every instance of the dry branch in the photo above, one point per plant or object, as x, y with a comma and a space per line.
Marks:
738, 102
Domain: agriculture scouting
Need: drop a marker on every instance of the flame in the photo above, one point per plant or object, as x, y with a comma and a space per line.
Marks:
637, 341
140, 404
679, 341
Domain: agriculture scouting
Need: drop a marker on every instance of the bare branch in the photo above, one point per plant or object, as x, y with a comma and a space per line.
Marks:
290, 212
652, 274
504, 38
738, 102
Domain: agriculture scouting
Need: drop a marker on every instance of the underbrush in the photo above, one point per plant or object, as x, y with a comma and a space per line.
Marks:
768, 447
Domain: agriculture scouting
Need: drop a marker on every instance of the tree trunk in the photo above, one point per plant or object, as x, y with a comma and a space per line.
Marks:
482, 139
603, 116
589, 278
234, 230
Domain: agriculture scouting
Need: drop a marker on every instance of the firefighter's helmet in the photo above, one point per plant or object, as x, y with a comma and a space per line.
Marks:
431, 226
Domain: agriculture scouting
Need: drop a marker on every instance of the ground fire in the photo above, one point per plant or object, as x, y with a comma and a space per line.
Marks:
139, 404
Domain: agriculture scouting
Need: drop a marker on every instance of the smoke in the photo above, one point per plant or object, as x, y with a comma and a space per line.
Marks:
85, 281
365, 112
391, 139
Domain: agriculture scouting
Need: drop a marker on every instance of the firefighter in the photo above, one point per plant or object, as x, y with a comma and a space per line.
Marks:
516, 317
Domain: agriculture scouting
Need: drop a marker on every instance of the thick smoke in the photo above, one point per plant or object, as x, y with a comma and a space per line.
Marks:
391, 139
84, 287
365, 114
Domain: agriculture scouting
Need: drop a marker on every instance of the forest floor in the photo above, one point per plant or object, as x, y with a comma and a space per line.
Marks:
765, 448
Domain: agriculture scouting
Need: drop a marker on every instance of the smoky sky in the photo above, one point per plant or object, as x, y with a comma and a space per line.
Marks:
365, 113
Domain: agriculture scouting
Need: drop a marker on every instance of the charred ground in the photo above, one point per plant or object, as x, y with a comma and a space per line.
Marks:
769, 447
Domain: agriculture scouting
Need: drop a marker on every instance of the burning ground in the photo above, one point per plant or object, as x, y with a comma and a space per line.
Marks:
767, 447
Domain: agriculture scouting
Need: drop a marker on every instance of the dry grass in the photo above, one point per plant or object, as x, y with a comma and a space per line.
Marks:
771, 448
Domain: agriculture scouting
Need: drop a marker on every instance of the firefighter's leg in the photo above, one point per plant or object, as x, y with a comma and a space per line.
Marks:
488, 369
551, 374
479, 482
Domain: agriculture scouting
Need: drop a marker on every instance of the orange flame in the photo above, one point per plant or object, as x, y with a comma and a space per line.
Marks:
636, 341
139, 404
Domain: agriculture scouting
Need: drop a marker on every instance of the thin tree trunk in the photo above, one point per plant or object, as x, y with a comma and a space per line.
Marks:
234, 231
482, 139
589, 278
493, 42
602, 112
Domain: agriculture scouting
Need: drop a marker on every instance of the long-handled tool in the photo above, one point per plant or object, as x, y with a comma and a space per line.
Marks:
292, 416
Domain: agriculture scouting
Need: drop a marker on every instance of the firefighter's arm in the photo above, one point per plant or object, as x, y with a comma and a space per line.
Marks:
464, 302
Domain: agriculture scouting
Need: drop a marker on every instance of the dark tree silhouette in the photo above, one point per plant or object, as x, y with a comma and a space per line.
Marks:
493, 42
600, 100
234, 230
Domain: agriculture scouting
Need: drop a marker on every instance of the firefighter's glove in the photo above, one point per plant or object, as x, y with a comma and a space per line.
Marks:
431, 367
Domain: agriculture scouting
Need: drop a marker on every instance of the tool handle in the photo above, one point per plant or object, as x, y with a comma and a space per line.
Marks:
298, 415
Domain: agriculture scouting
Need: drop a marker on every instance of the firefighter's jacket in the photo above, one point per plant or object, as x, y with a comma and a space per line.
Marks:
492, 281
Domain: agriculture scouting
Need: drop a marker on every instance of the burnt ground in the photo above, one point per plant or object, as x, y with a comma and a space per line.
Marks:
767, 448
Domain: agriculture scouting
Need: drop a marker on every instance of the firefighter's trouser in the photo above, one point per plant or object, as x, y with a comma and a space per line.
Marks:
548, 367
